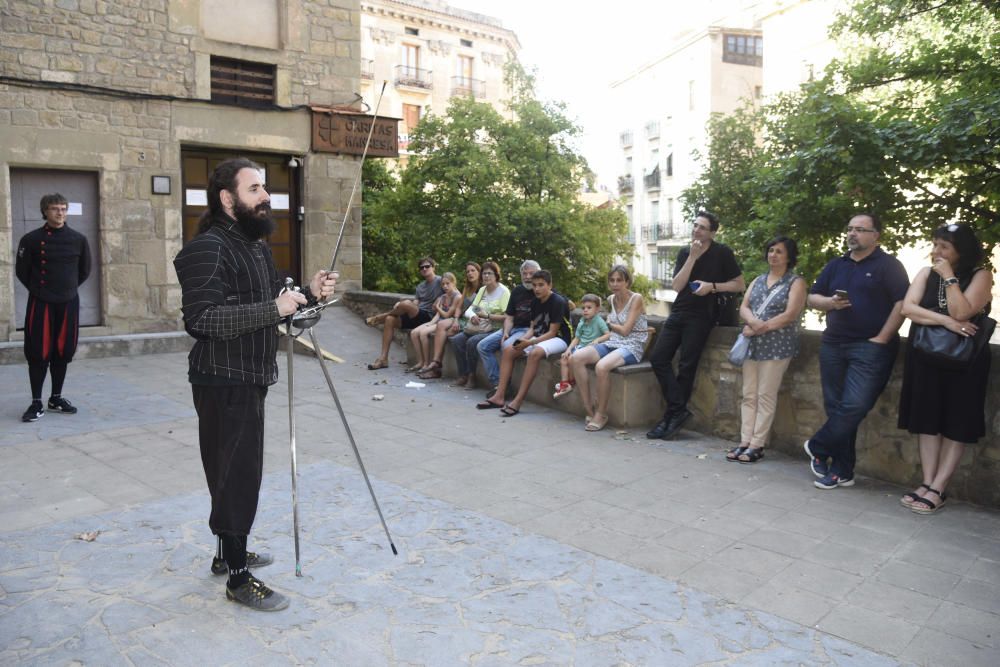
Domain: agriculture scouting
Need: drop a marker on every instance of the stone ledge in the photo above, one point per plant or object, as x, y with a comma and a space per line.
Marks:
124, 345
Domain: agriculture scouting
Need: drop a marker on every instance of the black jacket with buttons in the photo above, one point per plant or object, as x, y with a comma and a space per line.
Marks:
52, 263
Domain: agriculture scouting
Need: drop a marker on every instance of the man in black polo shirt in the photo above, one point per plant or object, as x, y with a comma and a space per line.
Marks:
862, 294
52, 262
702, 271
232, 301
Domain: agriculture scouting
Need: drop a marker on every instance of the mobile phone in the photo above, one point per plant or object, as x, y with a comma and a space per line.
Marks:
840, 293
695, 285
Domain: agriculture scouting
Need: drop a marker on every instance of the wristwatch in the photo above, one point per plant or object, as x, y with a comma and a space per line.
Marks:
948, 282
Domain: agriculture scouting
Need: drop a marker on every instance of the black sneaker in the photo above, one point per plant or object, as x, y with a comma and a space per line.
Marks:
657, 431
60, 404
253, 560
819, 466
256, 595
833, 480
675, 423
34, 412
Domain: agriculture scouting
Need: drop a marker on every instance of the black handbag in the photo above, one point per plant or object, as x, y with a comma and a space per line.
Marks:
946, 349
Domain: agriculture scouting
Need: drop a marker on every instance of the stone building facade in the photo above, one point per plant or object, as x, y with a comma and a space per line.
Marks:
128, 104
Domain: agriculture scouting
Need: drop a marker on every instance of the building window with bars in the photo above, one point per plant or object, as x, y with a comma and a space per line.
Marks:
242, 83
743, 50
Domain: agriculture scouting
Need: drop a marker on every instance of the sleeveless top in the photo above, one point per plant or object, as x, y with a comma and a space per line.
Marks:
780, 343
635, 341
934, 297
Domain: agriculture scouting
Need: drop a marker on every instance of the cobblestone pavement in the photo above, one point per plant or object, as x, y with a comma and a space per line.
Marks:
522, 540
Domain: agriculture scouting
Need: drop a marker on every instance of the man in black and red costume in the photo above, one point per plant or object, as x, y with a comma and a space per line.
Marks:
52, 262
232, 301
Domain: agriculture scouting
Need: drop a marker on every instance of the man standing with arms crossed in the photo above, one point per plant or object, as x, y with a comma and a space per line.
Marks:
52, 262
862, 294
702, 271
232, 304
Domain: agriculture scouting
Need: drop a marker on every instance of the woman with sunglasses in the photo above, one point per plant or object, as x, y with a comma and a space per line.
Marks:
945, 407
408, 313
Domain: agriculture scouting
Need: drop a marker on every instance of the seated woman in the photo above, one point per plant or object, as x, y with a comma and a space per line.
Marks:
627, 324
483, 316
449, 326
445, 307
945, 407
771, 309
549, 334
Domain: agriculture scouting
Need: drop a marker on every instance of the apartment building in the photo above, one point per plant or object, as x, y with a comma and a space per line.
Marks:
427, 51
712, 70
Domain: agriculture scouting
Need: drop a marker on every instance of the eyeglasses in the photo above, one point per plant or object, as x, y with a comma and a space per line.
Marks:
488, 273
859, 230
424, 266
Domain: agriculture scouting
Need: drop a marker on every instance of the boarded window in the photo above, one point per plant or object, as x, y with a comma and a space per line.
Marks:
242, 83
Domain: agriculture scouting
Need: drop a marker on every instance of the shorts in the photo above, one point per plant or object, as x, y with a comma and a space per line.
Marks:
603, 350
423, 317
551, 346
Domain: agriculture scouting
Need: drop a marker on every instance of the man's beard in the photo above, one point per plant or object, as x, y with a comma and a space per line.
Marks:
256, 222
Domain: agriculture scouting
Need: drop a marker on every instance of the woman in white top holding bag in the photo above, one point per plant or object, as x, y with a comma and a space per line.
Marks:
483, 316
771, 309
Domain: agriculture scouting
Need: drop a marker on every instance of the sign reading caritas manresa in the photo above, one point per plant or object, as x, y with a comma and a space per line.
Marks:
346, 133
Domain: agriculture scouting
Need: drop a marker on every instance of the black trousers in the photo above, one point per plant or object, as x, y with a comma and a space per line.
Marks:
688, 334
231, 435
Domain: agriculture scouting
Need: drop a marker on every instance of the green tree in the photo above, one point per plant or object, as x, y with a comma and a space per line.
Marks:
907, 125
484, 186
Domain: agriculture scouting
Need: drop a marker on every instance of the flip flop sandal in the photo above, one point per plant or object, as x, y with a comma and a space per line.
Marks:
488, 405
752, 454
911, 497
734, 453
378, 364
596, 425
414, 368
430, 374
508, 411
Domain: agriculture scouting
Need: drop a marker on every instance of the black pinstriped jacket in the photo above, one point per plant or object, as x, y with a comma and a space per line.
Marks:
229, 284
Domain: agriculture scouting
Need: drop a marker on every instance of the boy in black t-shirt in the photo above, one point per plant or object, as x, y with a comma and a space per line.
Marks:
701, 272
548, 334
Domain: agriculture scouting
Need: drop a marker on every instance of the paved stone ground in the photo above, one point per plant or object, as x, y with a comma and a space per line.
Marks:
522, 540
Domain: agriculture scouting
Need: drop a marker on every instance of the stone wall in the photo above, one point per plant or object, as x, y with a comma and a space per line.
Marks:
138, 48
884, 451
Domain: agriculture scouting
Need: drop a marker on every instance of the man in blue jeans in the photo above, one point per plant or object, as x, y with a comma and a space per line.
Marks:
862, 294
515, 324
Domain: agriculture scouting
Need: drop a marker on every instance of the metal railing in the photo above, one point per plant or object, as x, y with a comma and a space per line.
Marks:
625, 138
413, 77
661, 231
625, 184
464, 87
367, 68
652, 181
653, 129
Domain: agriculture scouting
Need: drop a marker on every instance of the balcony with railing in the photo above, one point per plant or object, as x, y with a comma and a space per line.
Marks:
625, 185
367, 68
625, 138
413, 77
652, 180
661, 231
653, 129
464, 87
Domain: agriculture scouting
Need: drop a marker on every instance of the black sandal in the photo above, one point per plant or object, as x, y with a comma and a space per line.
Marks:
734, 453
925, 506
752, 454
911, 497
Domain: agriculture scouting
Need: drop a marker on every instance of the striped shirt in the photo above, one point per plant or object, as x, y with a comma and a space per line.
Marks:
229, 284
